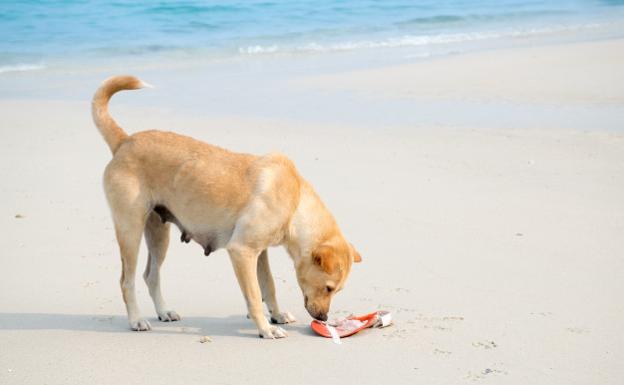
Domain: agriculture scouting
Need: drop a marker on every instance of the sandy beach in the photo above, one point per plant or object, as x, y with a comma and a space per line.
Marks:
483, 190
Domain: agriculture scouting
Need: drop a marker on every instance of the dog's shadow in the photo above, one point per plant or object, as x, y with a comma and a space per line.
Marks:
231, 326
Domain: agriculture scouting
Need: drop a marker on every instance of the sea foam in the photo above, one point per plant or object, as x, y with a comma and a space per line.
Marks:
409, 40
21, 67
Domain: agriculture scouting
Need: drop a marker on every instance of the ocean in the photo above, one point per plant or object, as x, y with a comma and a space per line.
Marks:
35, 33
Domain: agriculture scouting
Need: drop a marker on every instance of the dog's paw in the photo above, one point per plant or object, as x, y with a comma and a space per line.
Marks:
273, 332
282, 318
140, 325
168, 316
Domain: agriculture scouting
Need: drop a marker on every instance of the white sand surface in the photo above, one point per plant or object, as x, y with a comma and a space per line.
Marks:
498, 249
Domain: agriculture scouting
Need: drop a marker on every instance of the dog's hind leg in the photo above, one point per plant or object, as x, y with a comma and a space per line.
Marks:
157, 239
267, 287
129, 208
129, 230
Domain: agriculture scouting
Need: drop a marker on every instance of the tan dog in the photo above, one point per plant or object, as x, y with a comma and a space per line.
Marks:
219, 199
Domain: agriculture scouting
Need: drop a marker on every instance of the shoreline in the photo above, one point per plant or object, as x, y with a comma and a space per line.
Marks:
397, 45
523, 87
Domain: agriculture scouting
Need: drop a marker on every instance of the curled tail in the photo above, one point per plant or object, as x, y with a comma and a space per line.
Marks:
110, 130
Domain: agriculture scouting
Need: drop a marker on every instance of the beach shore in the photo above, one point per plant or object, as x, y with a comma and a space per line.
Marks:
484, 192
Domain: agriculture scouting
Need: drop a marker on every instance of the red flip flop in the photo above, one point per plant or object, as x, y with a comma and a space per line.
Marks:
344, 328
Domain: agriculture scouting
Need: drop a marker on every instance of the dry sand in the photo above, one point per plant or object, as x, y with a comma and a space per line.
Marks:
498, 250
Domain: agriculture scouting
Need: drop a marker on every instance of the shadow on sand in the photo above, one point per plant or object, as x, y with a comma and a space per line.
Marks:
232, 326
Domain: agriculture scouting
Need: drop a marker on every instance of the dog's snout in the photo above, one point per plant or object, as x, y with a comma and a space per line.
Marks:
321, 317
316, 314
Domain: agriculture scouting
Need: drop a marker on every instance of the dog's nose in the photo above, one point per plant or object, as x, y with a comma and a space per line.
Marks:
317, 315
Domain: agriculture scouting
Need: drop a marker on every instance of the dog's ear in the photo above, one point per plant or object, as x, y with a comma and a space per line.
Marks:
325, 258
356, 256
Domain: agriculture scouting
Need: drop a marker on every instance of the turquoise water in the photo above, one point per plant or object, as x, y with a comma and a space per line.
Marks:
35, 32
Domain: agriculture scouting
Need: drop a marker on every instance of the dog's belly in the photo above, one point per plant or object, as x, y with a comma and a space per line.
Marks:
207, 235
211, 240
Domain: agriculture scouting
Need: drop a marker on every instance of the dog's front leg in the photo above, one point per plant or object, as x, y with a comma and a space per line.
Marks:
245, 261
267, 287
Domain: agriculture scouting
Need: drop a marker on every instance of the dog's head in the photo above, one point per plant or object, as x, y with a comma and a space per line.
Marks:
323, 273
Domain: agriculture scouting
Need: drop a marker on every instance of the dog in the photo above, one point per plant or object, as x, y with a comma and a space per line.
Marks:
218, 199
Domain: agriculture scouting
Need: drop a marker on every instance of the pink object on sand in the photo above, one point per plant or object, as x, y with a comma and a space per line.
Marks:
344, 327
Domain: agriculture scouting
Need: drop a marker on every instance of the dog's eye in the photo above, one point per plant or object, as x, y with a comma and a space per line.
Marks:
329, 289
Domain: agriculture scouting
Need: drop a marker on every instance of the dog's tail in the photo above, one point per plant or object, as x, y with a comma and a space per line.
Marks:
110, 130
